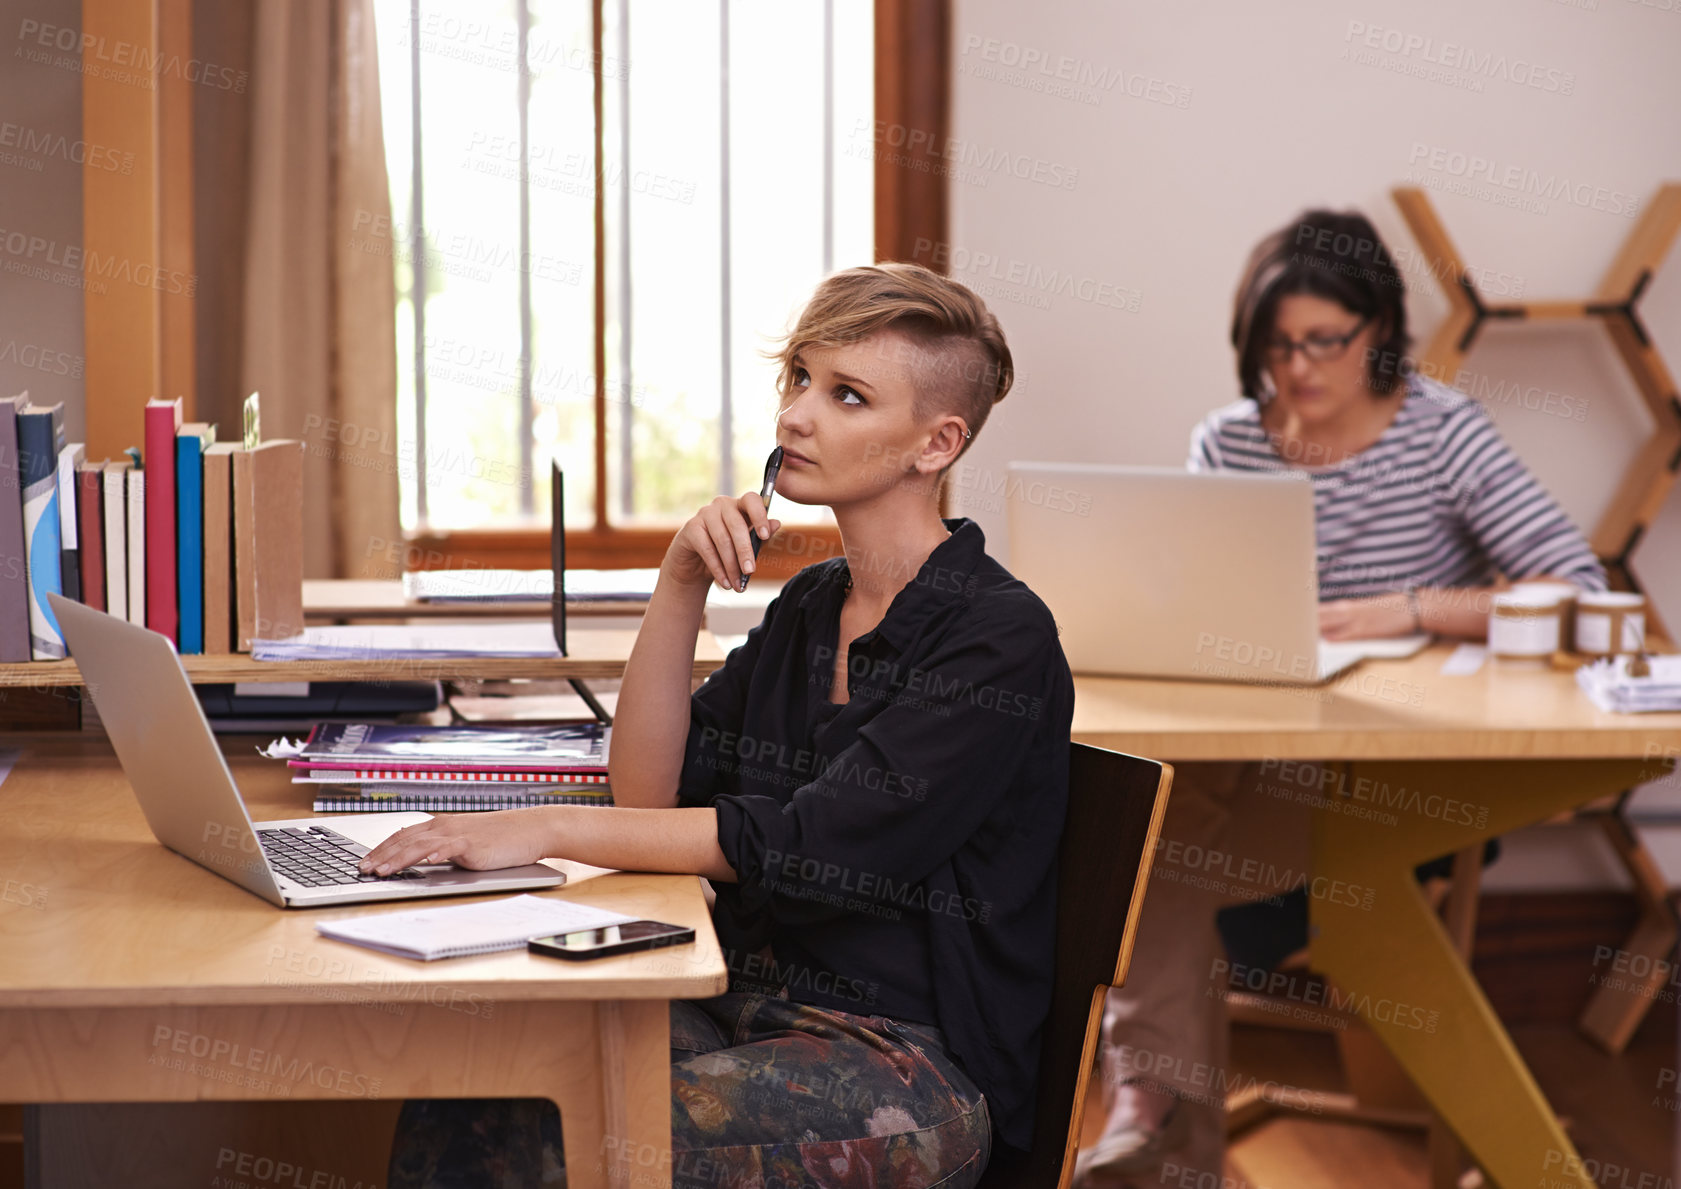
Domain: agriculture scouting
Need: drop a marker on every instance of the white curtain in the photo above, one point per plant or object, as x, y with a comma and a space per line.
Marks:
319, 325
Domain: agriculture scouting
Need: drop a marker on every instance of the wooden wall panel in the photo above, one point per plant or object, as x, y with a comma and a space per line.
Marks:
122, 316
176, 324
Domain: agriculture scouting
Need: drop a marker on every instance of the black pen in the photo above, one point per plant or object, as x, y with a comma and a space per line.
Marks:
773, 464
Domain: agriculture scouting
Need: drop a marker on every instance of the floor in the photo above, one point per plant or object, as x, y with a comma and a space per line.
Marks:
1620, 1111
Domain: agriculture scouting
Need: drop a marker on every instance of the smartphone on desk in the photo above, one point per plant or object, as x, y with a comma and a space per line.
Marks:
614, 939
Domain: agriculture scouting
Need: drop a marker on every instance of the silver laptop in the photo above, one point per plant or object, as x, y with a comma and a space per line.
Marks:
193, 806
1153, 572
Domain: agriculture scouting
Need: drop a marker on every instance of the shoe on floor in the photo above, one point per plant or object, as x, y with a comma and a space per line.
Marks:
1129, 1149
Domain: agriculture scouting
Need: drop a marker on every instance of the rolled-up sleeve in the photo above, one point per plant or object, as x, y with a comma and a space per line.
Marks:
920, 781
716, 709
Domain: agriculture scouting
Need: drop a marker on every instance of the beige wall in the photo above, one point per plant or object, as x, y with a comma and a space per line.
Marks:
1243, 115
1223, 119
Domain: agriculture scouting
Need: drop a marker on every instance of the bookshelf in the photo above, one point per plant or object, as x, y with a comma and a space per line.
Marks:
599, 654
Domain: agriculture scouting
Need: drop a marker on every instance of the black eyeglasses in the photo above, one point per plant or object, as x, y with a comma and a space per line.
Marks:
1319, 348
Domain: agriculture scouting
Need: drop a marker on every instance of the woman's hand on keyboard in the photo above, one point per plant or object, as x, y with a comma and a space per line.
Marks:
479, 841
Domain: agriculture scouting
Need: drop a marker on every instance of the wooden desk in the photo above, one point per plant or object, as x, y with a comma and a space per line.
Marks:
1517, 744
327, 600
128, 974
594, 653
1379, 710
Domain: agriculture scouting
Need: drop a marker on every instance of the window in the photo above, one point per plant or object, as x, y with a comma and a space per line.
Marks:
734, 171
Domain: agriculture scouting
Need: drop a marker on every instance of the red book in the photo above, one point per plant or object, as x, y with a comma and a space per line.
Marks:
90, 498
163, 422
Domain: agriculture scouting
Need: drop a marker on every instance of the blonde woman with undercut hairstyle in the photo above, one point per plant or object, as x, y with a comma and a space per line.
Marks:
875, 784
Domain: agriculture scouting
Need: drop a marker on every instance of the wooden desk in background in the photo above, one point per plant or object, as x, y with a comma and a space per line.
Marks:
129, 974
1521, 742
333, 600
593, 653
328, 600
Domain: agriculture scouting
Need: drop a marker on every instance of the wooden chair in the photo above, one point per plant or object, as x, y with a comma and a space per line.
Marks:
1115, 808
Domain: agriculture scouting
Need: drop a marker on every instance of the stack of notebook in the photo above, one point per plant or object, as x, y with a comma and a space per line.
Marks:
197, 539
369, 767
1633, 685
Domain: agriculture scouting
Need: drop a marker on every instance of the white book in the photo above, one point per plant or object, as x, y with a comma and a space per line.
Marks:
430, 933
137, 547
69, 462
116, 539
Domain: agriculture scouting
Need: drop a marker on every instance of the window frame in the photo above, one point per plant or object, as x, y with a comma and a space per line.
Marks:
912, 90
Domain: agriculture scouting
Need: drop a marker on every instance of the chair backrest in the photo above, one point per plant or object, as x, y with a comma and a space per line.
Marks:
1115, 807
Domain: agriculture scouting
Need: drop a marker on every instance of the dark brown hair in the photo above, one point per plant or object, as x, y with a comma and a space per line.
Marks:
1339, 257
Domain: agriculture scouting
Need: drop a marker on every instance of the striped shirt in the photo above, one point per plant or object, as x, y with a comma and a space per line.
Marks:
1439, 500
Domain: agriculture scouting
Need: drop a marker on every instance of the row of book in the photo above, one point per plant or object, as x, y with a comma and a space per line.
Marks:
197, 539
374, 767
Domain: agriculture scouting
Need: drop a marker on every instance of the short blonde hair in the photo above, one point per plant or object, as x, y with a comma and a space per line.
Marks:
957, 352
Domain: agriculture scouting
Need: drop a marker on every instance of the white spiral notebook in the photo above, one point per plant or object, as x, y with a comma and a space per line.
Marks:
459, 929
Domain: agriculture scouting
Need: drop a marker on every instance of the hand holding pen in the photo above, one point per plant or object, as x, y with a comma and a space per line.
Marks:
773, 464
721, 542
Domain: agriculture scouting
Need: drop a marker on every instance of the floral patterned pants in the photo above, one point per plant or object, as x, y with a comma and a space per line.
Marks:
765, 1093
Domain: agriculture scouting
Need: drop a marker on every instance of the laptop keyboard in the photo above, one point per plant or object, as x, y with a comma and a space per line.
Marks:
317, 857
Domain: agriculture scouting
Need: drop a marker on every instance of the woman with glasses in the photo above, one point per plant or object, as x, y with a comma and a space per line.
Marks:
1420, 505
1421, 510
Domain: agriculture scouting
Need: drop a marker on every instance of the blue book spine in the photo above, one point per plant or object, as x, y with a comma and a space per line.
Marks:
189, 539
40, 437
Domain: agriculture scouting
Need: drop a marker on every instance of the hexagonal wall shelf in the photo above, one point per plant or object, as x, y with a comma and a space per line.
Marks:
1649, 477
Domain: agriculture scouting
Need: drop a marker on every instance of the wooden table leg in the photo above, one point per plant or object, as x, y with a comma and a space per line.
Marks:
1621, 1000
607, 1066
1375, 937
631, 1146
1460, 920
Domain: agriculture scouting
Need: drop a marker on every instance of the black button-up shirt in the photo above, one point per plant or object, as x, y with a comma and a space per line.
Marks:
897, 854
